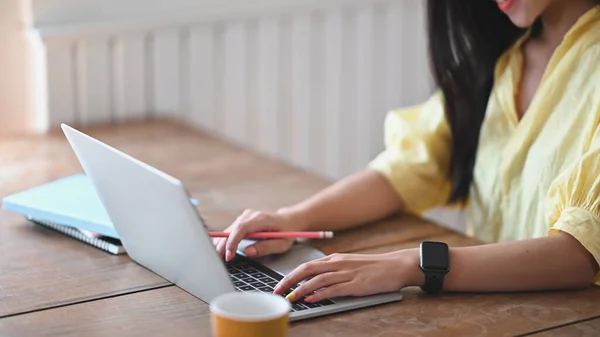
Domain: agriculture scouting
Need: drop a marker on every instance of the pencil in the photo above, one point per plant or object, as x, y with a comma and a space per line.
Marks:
279, 235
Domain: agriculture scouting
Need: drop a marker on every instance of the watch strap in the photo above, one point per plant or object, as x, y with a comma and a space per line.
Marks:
434, 282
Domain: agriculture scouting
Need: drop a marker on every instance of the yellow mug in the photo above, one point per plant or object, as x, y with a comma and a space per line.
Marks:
249, 315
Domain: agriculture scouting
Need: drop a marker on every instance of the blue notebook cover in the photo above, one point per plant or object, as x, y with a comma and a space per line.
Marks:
70, 201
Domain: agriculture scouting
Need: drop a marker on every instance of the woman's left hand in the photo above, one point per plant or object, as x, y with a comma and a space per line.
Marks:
353, 275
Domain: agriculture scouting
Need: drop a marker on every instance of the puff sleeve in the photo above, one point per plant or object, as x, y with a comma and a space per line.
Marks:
417, 154
573, 202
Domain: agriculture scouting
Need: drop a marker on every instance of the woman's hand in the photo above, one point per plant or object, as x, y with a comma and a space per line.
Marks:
353, 275
250, 222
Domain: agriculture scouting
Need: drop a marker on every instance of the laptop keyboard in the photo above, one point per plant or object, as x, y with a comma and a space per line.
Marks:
249, 276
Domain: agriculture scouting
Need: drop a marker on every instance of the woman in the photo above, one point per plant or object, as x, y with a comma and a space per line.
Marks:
513, 132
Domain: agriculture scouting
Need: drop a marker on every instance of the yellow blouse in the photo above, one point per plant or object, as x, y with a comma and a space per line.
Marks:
532, 177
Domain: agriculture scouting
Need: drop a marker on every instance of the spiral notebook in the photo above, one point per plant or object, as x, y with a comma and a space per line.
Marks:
106, 243
72, 207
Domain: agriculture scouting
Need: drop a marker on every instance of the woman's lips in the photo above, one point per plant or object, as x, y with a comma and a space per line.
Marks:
505, 5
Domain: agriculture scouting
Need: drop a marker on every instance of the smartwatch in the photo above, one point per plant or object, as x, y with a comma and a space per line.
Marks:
435, 264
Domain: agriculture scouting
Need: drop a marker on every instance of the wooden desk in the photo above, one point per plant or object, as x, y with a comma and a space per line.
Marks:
51, 285
586, 328
173, 312
41, 269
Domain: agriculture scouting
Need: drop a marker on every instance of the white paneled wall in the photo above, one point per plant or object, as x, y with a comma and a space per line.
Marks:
310, 87
130, 83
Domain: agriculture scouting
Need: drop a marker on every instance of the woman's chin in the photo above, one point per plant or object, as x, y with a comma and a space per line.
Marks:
521, 21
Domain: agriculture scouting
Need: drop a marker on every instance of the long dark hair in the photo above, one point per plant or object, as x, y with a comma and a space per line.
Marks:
466, 38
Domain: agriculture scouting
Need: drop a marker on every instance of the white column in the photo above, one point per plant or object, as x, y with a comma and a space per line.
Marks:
17, 106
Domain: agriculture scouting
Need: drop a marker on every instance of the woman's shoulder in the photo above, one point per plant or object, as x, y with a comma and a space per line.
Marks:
583, 40
585, 71
590, 56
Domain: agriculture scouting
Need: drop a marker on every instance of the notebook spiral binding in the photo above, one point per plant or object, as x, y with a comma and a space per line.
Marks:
110, 245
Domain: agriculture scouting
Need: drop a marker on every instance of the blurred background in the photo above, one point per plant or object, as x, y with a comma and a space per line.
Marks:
307, 82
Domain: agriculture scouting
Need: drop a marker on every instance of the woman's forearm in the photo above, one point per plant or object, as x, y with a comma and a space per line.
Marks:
549, 263
358, 199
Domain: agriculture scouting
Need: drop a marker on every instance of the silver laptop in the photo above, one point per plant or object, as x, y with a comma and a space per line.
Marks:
162, 231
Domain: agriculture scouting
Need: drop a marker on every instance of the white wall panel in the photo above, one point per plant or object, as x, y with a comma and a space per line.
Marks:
286, 130
425, 84
318, 127
268, 107
219, 68
365, 107
184, 110
166, 71
234, 82
60, 63
380, 75
333, 86
251, 108
300, 105
397, 51
348, 113
94, 80
129, 73
202, 75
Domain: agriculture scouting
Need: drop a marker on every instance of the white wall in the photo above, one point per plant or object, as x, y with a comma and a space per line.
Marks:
309, 86
307, 82
53, 13
17, 103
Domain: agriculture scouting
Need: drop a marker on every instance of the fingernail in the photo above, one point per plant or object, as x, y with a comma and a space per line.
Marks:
250, 251
291, 296
309, 299
228, 255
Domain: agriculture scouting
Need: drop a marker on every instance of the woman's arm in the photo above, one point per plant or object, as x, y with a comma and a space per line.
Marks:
358, 199
410, 174
550, 263
361, 198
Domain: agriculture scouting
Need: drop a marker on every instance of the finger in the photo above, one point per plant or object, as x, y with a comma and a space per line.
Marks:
254, 223
303, 272
267, 247
220, 248
216, 241
336, 290
319, 282
220, 243
223, 241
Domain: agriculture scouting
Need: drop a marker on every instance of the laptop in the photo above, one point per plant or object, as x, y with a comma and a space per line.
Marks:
163, 232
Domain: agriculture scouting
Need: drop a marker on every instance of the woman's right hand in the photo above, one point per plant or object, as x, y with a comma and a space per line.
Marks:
250, 222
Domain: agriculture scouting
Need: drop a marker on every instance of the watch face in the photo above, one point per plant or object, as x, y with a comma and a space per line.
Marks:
434, 256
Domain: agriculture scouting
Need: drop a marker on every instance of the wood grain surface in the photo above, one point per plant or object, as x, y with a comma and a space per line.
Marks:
590, 328
40, 268
51, 285
173, 312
